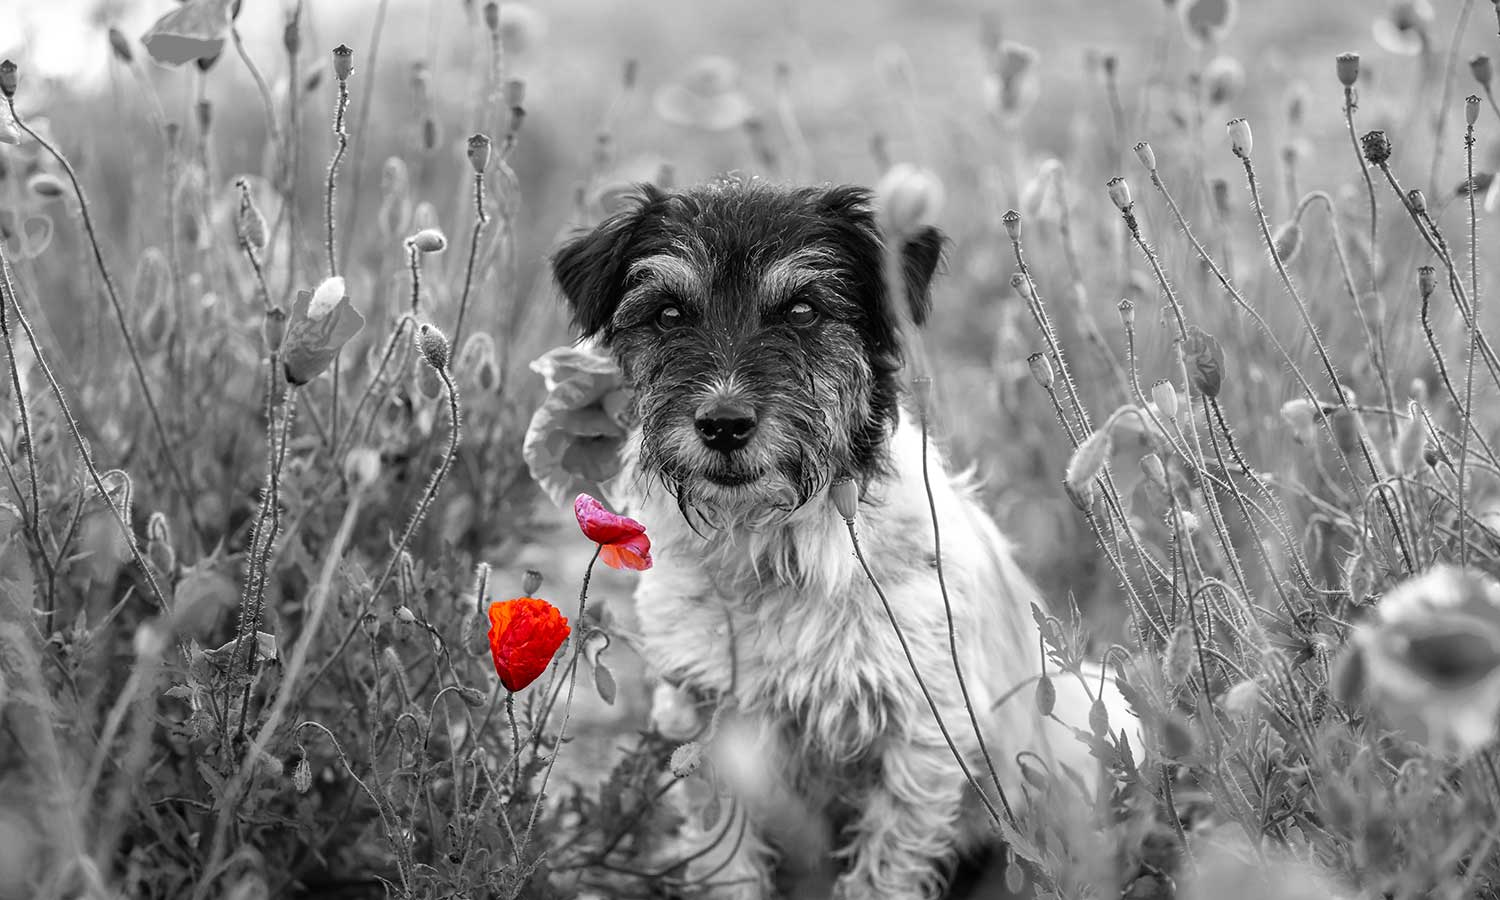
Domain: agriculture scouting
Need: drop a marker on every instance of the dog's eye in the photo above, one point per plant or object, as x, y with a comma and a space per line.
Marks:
669, 317
801, 314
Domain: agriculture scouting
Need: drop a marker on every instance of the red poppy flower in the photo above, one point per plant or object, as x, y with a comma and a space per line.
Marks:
622, 541
524, 636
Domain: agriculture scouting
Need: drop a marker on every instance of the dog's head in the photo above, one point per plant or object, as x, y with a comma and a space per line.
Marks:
754, 325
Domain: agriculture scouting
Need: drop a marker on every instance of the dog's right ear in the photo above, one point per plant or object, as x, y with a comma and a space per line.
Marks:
591, 268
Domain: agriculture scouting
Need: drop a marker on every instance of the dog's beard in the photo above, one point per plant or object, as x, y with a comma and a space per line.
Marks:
756, 488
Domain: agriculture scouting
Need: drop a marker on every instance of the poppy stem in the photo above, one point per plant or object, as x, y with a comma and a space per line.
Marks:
515, 738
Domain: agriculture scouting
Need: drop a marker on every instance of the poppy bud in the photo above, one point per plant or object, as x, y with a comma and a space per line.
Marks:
1206, 361
1155, 470
1127, 312
343, 62
686, 759
1012, 222
1119, 192
325, 298
405, 616
1426, 280
531, 582
908, 198
1482, 69
1471, 109
291, 35
1240, 139
472, 697
1241, 699
1088, 460
362, 466
273, 329
1376, 146
492, 16
921, 392
1417, 201
1041, 369
1345, 425
429, 240
1347, 66
1099, 718
434, 346
1179, 663
121, 46
1164, 395
302, 775
1287, 240
1046, 695
1146, 155
845, 494
479, 152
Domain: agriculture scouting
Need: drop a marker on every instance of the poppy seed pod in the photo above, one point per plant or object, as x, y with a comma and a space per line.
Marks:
434, 346
908, 198
845, 495
429, 240
1417, 201
1041, 369
1426, 281
1347, 65
274, 328
1165, 398
1012, 222
1127, 312
1376, 147
1471, 109
1146, 155
343, 62
479, 152
1241, 141
1119, 192
1482, 69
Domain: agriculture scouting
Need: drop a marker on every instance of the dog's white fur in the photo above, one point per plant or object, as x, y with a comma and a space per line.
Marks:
782, 623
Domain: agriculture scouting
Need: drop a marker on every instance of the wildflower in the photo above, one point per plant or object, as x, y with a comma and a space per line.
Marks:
343, 62
1119, 192
312, 341
1206, 361
707, 96
191, 32
1347, 67
1241, 141
429, 240
574, 439
1431, 657
1287, 241
623, 543
1376, 146
479, 152
1404, 29
434, 346
845, 494
908, 198
525, 633
1206, 22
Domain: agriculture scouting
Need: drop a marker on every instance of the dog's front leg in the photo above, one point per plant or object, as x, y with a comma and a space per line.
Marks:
907, 824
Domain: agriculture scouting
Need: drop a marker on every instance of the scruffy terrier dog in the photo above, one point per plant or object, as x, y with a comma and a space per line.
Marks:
754, 326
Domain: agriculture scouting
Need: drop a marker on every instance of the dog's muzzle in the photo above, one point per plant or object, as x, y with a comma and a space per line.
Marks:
725, 425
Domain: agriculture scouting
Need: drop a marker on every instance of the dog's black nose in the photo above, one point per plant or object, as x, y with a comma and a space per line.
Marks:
725, 425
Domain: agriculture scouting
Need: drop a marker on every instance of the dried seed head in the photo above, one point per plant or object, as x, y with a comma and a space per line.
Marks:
1046, 695
1471, 109
1482, 69
1154, 469
1041, 369
1164, 395
1287, 240
531, 582
1426, 280
429, 240
1146, 155
1119, 192
845, 494
343, 62
1417, 201
1127, 312
1012, 222
1376, 146
1347, 65
434, 346
121, 46
1088, 461
479, 152
362, 466
1240, 139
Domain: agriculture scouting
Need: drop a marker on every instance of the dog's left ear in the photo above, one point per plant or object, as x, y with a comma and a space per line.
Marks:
923, 250
919, 261
591, 268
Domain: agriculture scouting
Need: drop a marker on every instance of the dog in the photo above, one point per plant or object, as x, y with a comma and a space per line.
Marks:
754, 325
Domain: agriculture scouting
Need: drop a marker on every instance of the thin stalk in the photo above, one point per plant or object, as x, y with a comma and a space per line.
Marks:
481, 218
1468, 407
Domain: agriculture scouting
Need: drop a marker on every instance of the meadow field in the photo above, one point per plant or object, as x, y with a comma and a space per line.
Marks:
1211, 332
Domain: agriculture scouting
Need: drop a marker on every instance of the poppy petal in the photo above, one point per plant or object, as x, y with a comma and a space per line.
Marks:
602, 526
632, 553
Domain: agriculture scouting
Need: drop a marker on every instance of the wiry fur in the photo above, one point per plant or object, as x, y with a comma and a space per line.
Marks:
756, 599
